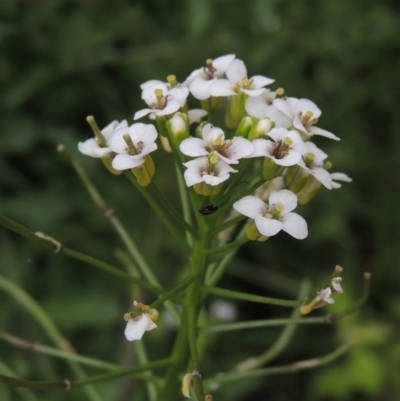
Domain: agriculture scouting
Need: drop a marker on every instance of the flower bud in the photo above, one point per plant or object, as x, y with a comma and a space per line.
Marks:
271, 169
235, 110
310, 189
253, 234
259, 128
207, 190
187, 379
144, 172
244, 127
178, 128
107, 161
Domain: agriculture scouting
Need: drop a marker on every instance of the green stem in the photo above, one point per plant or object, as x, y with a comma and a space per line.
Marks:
128, 241
223, 248
188, 330
172, 210
286, 335
229, 223
180, 287
171, 228
46, 350
48, 326
356, 305
254, 324
214, 275
183, 191
250, 297
292, 368
67, 384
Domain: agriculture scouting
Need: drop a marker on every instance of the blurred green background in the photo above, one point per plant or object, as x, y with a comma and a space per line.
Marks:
63, 60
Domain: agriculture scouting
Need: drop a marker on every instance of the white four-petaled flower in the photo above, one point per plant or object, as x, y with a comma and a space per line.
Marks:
136, 327
142, 142
91, 146
161, 99
201, 80
238, 82
285, 149
313, 161
230, 151
201, 170
305, 115
275, 215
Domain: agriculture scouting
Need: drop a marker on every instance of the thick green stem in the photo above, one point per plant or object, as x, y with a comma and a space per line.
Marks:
187, 332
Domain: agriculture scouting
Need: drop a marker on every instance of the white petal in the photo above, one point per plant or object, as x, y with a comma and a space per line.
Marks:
292, 157
171, 107
322, 132
236, 71
193, 147
322, 176
192, 177
256, 106
145, 133
142, 113
259, 81
135, 328
222, 87
91, 148
341, 177
179, 95
250, 206
305, 106
253, 92
295, 225
336, 284
286, 197
268, 227
196, 115
221, 64
239, 148
262, 147
200, 88
151, 83
215, 180
283, 107
124, 162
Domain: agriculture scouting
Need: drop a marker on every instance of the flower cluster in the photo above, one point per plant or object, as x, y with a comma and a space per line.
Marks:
266, 135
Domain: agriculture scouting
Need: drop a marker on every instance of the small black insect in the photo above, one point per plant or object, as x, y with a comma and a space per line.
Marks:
208, 209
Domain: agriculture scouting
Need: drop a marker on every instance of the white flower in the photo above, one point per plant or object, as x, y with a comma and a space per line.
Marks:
200, 80
91, 146
142, 138
336, 284
136, 327
314, 158
161, 99
238, 82
201, 170
230, 151
286, 150
262, 106
305, 115
196, 115
339, 177
325, 295
275, 215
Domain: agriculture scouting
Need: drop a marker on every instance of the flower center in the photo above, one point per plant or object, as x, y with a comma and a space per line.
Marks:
210, 70
306, 119
162, 100
282, 148
131, 148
